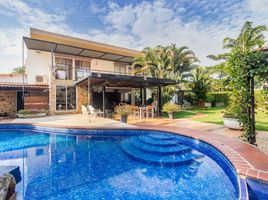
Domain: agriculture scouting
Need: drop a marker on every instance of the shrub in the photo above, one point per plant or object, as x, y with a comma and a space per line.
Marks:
171, 108
219, 97
232, 110
123, 109
30, 111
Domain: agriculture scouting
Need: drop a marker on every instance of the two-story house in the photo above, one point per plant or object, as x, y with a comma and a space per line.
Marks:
69, 72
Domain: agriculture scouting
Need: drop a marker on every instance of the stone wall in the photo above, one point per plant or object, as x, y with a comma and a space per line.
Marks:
82, 95
8, 102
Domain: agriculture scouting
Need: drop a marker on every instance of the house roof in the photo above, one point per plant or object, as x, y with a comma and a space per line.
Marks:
13, 86
47, 41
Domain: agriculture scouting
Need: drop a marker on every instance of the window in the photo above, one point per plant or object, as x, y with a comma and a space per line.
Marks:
64, 68
119, 69
65, 98
82, 69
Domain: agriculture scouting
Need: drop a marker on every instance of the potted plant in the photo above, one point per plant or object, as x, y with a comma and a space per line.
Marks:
30, 113
123, 110
231, 119
171, 108
61, 73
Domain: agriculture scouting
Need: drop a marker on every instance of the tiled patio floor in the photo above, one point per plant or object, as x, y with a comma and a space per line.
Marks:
70, 120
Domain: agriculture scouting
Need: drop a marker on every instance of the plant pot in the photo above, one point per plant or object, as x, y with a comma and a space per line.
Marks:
208, 105
171, 115
123, 118
32, 115
232, 123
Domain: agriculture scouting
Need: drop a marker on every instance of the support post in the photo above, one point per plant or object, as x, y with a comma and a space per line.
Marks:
144, 96
103, 100
141, 96
23, 74
253, 110
132, 97
159, 99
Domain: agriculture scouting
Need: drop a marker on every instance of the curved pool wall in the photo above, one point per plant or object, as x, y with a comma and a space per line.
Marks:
198, 145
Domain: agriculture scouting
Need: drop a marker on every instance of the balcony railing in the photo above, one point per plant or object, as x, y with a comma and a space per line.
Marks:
85, 72
81, 73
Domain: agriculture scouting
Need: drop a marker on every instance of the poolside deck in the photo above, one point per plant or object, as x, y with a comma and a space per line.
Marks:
70, 120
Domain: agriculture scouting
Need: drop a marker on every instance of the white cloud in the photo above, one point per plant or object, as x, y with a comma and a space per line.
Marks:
201, 25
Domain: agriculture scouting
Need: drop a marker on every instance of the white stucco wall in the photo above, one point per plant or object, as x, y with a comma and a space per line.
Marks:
12, 78
37, 63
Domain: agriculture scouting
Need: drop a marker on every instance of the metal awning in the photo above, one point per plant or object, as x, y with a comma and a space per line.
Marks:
116, 80
42, 45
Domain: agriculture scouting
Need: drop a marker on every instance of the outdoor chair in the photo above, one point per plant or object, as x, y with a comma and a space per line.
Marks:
150, 111
85, 112
136, 111
95, 112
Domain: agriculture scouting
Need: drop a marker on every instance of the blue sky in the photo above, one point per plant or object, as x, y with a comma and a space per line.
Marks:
199, 24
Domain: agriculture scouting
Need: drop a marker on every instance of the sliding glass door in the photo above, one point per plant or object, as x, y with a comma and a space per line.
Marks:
65, 98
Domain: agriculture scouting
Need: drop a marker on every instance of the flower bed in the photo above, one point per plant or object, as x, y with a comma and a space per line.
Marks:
31, 113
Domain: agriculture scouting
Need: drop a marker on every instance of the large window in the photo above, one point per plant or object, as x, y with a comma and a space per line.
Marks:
64, 68
82, 69
119, 68
65, 98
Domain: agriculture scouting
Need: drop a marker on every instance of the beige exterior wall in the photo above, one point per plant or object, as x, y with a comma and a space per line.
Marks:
102, 65
38, 63
8, 102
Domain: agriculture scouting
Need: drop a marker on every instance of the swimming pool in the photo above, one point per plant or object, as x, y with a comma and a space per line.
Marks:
115, 164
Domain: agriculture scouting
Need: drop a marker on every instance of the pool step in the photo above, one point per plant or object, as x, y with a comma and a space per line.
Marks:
161, 136
161, 150
158, 142
174, 159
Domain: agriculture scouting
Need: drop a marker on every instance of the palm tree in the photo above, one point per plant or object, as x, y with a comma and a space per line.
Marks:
182, 61
249, 38
154, 62
200, 84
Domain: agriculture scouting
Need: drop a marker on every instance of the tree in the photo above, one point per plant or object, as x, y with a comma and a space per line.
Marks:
200, 84
153, 62
182, 62
243, 63
165, 62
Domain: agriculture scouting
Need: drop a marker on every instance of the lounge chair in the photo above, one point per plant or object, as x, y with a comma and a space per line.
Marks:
95, 112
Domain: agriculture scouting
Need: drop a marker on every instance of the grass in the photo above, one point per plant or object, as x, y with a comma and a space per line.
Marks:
214, 116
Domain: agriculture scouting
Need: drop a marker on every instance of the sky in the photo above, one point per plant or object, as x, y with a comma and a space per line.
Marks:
200, 25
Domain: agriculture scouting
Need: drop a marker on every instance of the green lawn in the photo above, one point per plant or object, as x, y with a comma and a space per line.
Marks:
214, 116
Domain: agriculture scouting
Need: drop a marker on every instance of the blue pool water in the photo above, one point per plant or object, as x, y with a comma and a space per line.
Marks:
116, 165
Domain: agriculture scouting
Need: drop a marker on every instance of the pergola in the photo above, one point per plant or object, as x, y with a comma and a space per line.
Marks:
125, 81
